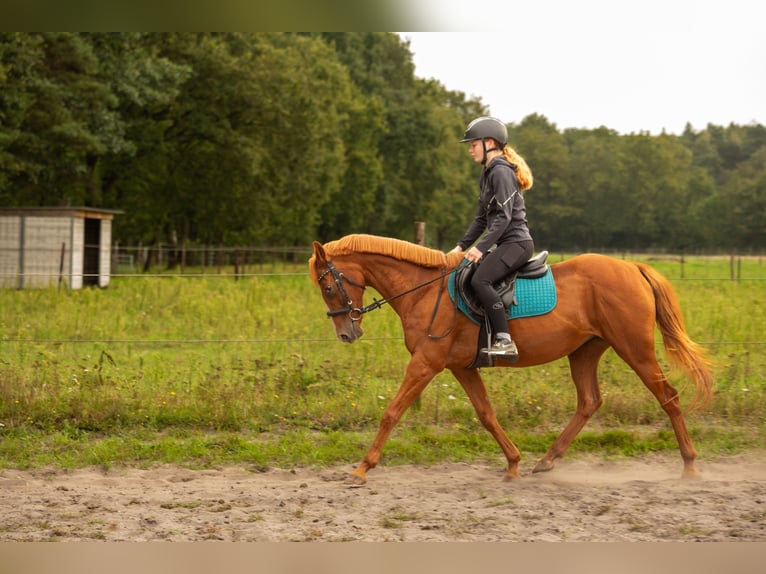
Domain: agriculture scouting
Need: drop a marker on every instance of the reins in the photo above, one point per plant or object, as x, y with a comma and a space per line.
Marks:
355, 313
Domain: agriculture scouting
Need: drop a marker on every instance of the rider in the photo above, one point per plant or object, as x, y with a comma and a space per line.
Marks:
502, 214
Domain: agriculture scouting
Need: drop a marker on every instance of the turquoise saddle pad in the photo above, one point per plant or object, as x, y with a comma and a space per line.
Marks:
534, 297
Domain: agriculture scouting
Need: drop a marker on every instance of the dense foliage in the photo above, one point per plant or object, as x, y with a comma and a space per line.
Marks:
282, 138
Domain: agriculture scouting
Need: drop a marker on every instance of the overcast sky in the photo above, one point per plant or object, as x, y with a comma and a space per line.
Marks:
630, 66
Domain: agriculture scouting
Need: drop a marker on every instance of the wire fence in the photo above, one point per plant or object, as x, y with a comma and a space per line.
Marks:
280, 341
49, 261
206, 260
174, 261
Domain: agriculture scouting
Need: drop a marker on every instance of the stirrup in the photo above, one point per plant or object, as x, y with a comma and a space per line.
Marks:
503, 348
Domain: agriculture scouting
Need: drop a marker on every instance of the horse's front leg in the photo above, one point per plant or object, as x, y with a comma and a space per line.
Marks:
470, 379
419, 374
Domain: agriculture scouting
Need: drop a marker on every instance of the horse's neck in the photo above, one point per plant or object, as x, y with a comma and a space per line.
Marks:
391, 277
387, 276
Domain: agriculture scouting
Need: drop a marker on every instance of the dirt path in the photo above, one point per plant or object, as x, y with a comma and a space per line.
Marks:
582, 500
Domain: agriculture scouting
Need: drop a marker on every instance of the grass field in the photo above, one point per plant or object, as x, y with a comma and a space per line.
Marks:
207, 370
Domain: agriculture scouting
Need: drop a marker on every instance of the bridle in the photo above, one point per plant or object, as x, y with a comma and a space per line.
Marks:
355, 313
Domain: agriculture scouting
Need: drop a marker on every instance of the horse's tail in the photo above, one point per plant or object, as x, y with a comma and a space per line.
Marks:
679, 347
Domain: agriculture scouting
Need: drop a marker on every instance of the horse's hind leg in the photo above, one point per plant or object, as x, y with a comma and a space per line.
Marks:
583, 365
651, 374
470, 379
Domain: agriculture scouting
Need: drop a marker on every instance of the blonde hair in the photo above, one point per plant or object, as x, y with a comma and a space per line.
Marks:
523, 173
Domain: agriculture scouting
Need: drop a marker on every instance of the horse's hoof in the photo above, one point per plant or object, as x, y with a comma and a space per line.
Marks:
692, 474
543, 465
355, 480
511, 476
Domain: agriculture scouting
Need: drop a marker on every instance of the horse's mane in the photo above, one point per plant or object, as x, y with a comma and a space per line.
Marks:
396, 248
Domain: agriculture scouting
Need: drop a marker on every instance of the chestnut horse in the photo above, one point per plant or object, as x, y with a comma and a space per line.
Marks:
602, 302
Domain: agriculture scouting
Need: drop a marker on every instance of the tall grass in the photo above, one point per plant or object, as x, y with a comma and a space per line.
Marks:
205, 370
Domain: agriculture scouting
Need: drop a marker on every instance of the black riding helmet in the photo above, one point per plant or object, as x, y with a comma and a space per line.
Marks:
483, 128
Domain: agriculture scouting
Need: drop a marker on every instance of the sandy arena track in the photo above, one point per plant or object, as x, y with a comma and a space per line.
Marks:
587, 499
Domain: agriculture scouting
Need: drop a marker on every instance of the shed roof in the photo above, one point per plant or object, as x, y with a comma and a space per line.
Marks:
85, 212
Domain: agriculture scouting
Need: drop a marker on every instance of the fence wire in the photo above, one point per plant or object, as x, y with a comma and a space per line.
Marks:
57, 341
233, 263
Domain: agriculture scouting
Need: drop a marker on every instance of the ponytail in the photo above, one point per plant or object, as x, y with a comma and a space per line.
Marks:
523, 173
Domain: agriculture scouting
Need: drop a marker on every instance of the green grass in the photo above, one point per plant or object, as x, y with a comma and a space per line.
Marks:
204, 371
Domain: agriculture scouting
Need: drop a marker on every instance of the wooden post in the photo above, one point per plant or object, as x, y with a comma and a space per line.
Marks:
739, 268
61, 263
420, 232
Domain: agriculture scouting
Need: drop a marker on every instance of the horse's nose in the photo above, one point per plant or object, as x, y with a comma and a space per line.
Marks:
350, 332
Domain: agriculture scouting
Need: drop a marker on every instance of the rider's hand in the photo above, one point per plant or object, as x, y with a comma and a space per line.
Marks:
473, 255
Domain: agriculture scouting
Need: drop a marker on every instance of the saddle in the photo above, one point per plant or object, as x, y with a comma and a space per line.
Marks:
532, 269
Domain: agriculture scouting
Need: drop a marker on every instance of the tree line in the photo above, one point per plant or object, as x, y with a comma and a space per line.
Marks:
283, 138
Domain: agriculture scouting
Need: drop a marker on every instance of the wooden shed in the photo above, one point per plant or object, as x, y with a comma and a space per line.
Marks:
59, 246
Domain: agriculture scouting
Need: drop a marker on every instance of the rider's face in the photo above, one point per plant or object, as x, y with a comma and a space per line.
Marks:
476, 150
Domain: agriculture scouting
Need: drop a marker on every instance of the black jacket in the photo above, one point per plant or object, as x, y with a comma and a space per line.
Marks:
501, 209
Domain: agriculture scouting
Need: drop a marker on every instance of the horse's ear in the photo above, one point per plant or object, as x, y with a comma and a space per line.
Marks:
319, 253
318, 258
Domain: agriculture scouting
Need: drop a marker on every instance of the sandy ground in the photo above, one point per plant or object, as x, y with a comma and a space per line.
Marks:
587, 499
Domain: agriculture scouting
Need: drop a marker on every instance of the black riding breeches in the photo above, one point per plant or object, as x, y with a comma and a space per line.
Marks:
501, 261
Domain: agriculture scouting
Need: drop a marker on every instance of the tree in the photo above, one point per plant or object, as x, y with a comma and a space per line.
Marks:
595, 175
252, 145
550, 209
59, 111
283, 138
453, 200
743, 209
422, 173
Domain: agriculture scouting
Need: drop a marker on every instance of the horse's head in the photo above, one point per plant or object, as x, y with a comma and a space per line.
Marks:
342, 291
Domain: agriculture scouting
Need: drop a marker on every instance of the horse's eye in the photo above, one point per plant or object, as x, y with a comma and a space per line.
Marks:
328, 289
